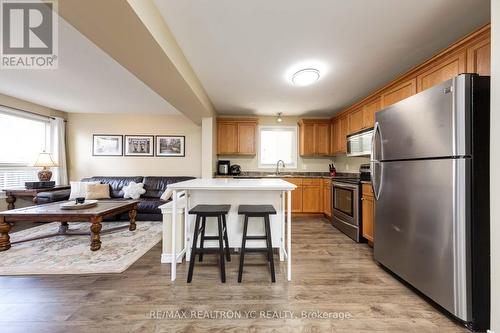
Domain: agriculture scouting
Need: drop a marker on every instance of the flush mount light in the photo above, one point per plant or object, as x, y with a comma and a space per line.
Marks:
279, 119
305, 77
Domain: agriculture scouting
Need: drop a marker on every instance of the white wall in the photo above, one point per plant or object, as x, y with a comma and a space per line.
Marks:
349, 164
82, 164
495, 161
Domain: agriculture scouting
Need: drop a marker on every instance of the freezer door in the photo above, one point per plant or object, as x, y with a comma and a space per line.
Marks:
433, 123
421, 219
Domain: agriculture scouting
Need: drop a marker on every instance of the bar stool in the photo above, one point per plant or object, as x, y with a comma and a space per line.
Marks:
257, 211
202, 212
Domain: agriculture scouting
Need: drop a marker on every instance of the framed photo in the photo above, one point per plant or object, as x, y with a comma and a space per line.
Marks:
107, 145
139, 145
170, 146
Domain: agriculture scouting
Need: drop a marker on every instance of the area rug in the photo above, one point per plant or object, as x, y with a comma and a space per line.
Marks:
72, 255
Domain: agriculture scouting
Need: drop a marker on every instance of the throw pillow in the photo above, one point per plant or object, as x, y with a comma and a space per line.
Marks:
97, 191
133, 190
79, 189
167, 194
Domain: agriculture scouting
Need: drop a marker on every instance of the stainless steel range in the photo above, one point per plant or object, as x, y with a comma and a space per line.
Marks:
346, 202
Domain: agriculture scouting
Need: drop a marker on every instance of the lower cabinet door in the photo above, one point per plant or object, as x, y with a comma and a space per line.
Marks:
311, 199
367, 209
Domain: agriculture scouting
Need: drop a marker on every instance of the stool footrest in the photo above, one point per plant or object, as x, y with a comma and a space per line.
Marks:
256, 249
256, 237
209, 250
211, 238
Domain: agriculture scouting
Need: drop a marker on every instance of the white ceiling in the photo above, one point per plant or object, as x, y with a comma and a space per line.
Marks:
87, 80
241, 50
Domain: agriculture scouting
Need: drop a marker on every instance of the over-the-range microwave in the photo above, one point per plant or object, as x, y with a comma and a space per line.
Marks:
360, 143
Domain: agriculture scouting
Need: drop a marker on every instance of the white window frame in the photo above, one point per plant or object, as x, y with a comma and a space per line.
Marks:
295, 146
24, 167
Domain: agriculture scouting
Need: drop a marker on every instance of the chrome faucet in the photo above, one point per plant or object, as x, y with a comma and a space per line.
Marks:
278, 166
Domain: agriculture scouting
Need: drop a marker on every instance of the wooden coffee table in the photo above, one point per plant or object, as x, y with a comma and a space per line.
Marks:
52, 212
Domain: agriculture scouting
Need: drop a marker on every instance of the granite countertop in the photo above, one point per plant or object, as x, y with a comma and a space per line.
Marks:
366, 182
258, 174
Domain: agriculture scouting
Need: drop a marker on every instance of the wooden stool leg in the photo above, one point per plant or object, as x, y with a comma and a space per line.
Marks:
4, 235
242, 251
193, 249
202, 239
269, 247
226, 240
221, 251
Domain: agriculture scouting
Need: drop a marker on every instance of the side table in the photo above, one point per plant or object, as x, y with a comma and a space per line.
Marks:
13, 193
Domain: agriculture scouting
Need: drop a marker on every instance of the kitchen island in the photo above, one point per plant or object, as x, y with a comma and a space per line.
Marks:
235, 192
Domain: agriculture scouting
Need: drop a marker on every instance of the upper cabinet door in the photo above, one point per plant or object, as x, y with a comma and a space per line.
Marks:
369, 110
399, 92
356, 120
323, 139
227, 138
444, 70
335, 136
479, 57
307, 138
344, 123
246, 138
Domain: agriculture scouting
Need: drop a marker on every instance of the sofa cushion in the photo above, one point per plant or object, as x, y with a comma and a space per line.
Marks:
116, 183
155, 186
149, 205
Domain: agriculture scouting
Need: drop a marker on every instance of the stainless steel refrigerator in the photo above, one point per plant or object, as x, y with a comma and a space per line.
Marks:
430, 176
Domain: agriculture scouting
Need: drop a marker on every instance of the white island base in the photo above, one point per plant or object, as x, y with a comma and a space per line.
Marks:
236, 192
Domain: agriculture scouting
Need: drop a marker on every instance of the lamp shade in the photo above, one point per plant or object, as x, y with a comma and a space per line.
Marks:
45, 160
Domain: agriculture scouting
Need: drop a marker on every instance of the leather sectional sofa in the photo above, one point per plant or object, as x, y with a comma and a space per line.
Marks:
147, 208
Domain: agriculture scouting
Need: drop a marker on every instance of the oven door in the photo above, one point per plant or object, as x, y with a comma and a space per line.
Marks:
345, 204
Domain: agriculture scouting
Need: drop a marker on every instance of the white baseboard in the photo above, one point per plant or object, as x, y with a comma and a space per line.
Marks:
490, 331
166, 258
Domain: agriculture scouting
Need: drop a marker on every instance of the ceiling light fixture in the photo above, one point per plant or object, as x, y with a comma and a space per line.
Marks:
279, 119
305, 77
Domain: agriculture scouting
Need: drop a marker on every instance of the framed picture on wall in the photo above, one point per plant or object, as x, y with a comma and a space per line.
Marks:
170, 146
139, 145
107, 145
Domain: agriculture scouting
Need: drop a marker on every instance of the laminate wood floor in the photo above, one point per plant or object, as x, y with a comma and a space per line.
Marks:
332, 276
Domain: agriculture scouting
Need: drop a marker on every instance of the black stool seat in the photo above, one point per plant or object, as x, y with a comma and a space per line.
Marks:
256, 210
202, 212
210, 210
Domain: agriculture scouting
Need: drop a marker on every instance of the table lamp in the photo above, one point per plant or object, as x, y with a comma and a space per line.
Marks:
45, 161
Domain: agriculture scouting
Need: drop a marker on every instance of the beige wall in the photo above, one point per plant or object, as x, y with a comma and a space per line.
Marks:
81, 127
307, 164
495, 161
349, 164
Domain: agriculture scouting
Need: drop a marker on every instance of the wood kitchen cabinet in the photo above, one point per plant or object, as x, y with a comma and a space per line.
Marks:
399, 92
368, 212
471, 54
296, 194
440, 71
479, 56
355, 120
309, 196
338, 139
369, 110
312, 195
327, 197
314, 137
236, 136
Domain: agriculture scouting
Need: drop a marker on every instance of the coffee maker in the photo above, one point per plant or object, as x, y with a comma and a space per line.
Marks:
223, 167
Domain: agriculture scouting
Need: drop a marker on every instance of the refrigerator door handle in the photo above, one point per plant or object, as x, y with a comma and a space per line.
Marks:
375, 162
